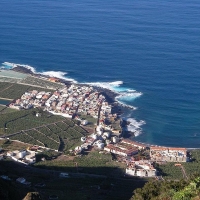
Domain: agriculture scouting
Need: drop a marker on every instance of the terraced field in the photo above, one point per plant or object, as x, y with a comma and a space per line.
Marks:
14, 90
54, 132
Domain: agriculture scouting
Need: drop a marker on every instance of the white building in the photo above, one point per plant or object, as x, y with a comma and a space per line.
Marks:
142, 168
21, 180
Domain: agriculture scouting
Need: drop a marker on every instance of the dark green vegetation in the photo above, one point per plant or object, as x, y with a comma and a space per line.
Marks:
169, 171
8, 190
12, 90
75, 187
91, 120
50, 131
169, 190
174, 187
93, 188
94, 163
5, 109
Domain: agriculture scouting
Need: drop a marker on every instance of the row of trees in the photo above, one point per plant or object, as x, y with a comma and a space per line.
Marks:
13, 91
26, 139
48, 142
62, 125
48, 133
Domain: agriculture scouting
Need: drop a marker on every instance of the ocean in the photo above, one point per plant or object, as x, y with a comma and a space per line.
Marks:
147, 51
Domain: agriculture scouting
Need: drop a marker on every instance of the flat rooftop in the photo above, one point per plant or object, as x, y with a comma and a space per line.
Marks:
12, 74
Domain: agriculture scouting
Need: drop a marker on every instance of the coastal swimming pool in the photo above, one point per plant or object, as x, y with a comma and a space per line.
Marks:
4, 102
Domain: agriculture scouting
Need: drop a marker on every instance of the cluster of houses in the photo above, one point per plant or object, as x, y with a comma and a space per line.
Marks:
144, 168
31, 99
73, 100
97, 140
128, 150
67, 102
124, 148
23, 156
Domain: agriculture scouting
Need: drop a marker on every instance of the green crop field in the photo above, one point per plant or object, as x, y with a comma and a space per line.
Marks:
44, 130
62, 125
14, 90
4, 109
51, 131
26, 139
4, 85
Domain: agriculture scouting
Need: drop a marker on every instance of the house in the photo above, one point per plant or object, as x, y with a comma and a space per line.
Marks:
21, 180
54, 80
133, 143
168, 154
142, 168
9, 153
38, 114
63, 175
121, 150
84, 122
5, 177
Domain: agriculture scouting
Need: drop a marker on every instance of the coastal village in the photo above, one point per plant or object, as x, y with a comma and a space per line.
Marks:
73, 101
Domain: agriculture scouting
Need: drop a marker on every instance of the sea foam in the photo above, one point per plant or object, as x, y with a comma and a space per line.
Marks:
134, 126
106, 85
57, 74
125, 96
8, 65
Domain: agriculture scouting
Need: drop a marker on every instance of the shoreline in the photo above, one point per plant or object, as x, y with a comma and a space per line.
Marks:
110, 96
117, 107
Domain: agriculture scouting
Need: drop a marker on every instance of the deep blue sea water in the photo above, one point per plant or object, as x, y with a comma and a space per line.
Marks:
153, 47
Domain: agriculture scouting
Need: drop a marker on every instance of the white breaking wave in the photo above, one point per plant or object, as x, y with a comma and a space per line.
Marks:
125, 96
13, 65
106, 85
129, 96
134, 126
116, 83
57, 74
